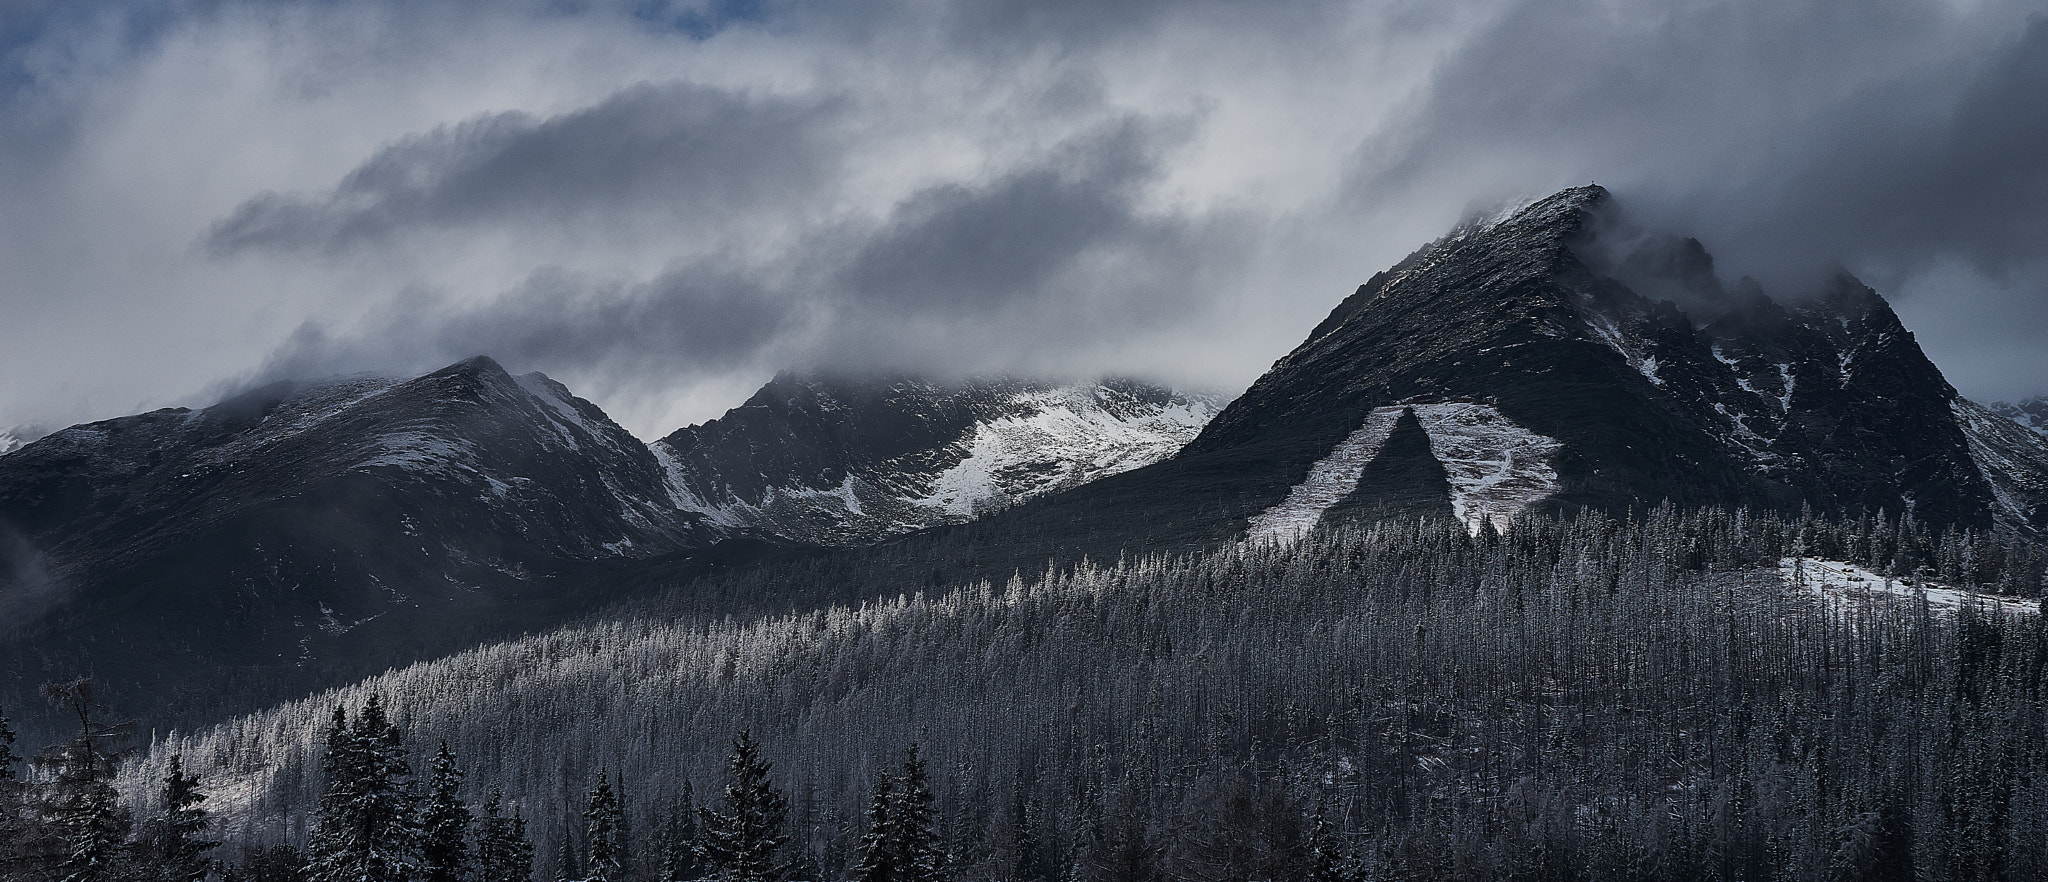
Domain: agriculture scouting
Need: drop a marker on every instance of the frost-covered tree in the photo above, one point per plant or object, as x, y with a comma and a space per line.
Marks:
913, 829
503, 851
13, 825
444, 823
84, 821
878, 845
679, 838
174, 842
604, 833
367, 831
744, 840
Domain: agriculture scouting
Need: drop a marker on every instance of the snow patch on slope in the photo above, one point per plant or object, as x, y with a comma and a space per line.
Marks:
676, 482
1844, 582
422, 451
1610, 333
1328, 481
566, 420
2012, 457
1063, 438
1496, 468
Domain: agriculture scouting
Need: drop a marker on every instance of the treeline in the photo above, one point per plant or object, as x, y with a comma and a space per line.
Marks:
1568, 699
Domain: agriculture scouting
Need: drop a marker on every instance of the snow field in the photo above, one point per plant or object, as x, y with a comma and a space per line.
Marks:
1848, 583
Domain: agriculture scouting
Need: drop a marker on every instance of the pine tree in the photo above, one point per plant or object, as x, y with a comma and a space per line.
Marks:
494, 840
366, 830
444, 853
744, 841
878, 844
90, 827
679, 839
174, 841
914, 831
13, 834
605, 834
519, 853
7, 755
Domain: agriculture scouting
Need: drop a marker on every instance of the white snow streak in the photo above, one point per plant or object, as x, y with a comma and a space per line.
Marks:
565, 417
1616, 339
1497, 468
1328, 481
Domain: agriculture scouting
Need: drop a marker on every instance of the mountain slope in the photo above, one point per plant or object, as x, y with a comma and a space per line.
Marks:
1542, 377
301, 534
298, 527
842, 461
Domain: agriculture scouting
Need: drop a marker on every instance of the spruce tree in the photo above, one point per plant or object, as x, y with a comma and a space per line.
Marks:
90, 827
743, 842
605, 834
679, 839
878, 844
444, 820
914, 831
366, 828
519, 851
497, 843
175, 840
13, 833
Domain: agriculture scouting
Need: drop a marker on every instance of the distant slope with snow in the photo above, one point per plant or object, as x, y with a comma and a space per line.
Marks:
837, 462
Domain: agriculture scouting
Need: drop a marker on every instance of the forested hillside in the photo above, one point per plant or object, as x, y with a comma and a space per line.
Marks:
1588, 698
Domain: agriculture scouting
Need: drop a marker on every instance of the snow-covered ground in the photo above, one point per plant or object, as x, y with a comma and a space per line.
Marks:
1495, 466
1846, 582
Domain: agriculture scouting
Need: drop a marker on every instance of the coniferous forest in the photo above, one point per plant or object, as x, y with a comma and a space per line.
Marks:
1654, 698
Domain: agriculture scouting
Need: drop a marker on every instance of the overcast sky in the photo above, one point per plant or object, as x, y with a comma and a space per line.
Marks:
663, 203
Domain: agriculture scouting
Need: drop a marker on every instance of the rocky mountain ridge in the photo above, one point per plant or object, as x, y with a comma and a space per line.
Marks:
836, 462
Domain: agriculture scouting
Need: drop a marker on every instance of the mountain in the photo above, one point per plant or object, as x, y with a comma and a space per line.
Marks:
838, 461
304, 533
302, 527
2031, 413
1543, 376
1555, 359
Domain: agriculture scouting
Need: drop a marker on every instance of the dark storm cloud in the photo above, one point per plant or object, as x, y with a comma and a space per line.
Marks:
956, 279
1030, 269
1794, 134
675, 149
691, 320
963, 248
1180, 189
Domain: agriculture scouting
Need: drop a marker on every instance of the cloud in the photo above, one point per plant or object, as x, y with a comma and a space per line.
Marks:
955, 279
652, 200
675, 150
693, 320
